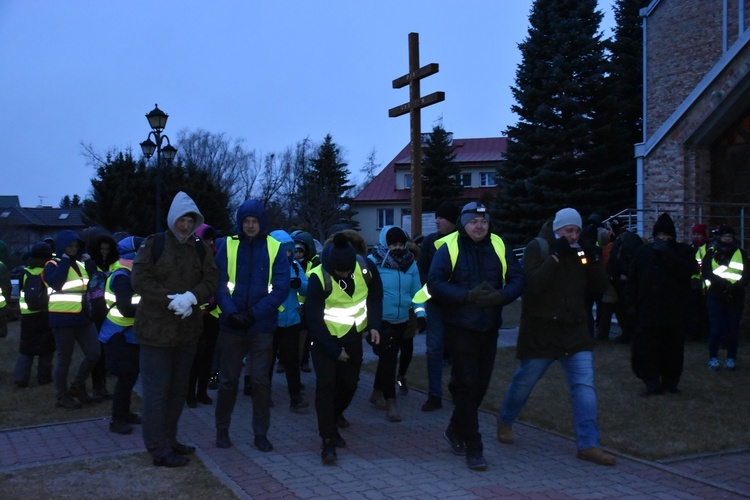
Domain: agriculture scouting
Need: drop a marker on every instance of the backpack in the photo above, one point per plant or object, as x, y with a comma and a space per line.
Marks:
35, 292
94, 305
158, 247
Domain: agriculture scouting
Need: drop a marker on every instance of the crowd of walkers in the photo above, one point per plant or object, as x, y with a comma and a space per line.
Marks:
187, 310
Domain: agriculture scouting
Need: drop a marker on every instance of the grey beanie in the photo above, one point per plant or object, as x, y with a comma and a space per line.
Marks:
471, 211
566, 217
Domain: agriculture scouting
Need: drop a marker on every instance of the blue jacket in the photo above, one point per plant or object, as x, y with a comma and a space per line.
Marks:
476, 262
56, 275
251, 287
289, 316
398, 286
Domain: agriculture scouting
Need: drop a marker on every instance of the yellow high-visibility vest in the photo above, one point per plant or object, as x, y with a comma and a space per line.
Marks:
732, 272
114, 314
341, 311
69, 300
423, 295
233, 245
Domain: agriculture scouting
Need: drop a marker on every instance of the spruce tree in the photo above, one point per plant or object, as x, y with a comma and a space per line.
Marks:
549, 164
439, 173
322, 193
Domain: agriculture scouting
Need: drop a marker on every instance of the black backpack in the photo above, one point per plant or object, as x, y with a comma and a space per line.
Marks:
35, 292
95, 307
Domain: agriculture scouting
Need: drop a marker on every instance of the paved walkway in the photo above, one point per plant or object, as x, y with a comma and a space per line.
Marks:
409, 459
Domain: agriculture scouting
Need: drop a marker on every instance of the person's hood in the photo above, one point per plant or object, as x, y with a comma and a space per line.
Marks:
252, 208
382, 241
205, 231
96, 237
546, 231
287, 243
65, 238
3, 252
182, 204
305, 239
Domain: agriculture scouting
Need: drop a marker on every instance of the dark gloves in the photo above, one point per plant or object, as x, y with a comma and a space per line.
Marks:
241, 320
295, 283
473, 295
422, 324
561, 247
484, 295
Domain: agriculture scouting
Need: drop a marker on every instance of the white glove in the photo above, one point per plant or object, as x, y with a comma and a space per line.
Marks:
173, 305
182, 303
187, 313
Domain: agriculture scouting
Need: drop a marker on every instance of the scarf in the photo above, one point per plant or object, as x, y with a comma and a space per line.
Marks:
385, 257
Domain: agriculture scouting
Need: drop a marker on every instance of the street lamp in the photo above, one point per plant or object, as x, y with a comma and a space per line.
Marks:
157, 119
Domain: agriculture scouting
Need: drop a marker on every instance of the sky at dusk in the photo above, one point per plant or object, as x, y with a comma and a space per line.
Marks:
272, 73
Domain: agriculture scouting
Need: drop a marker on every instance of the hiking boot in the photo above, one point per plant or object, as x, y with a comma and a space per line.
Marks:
298, 403
222, 439
596, 455
377, 400
338, 440
475, 461
402, 387
120, 427
713, 364
172, 461
78, 391
457, 444
183, 449
101, 394
305, 366
392, 414
505, 434
730, 365
341, 422
328, 453
213, 381
68, 402
433, 403
262, 443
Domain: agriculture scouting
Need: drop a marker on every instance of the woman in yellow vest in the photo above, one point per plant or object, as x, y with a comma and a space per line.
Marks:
343, 303
118, 338
725, 271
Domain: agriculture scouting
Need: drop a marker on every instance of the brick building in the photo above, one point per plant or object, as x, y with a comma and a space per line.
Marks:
694, 161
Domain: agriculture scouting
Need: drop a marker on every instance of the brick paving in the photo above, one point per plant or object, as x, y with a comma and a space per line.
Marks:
385, 460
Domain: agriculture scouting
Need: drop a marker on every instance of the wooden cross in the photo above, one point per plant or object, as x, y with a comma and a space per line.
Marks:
412, 107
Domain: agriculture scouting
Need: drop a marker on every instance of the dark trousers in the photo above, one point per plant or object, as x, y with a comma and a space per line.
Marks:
473, 355
65, 340
335, 384
658, 355
391, 336
164, 380
24, 363
123, 360
286, 347
724, 318
200, 372
407, 352
259, 350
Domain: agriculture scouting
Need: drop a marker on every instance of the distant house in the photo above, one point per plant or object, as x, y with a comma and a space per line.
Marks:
387, 199
21, 227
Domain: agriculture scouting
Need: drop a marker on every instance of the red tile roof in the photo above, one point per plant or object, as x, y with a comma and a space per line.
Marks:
473, 152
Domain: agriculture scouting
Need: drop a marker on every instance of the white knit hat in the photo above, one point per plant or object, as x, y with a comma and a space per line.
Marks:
566, 217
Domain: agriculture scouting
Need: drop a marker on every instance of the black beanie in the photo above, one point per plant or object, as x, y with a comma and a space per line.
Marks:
395, 235
342, 256
448, 211
41, 250
725, 229
665, 225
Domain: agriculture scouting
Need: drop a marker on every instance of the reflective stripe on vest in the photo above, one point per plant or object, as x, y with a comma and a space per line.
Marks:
69, 300
341, 311
22, 296
423, 295
114, 314
233, 246
732, 272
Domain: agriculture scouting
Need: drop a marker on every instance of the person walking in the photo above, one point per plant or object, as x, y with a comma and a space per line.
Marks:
253, 283
5, 290
473, 275
726, 272
173, 272
400, 278
344, 301
306, 255
446, 216
657, 292
553, 327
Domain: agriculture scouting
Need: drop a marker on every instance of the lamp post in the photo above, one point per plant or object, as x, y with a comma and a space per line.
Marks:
157, 119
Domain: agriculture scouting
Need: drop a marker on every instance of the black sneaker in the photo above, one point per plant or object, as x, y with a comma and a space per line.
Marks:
183, 449
66, 401
222, 439
433, 403
341, 422
213, 381
298, 403
338, 441
475, 461
305, 366
263, 444
119, 427
457, 444
328, 455
172, 461
78, 391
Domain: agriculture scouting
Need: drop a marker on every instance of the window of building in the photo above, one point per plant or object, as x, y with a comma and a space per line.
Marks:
385, 217
487, 179
407, 181
464, 179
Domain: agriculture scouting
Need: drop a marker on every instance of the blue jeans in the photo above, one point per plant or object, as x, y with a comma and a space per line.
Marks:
724, 321
579, 370
164, 383
435, 349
